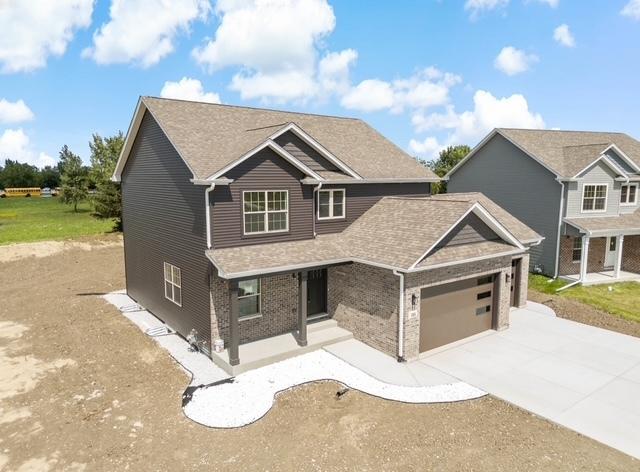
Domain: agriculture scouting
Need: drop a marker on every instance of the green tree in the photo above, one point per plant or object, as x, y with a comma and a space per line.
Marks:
18, 174
107, 200
446, 161
73, 178
50, 177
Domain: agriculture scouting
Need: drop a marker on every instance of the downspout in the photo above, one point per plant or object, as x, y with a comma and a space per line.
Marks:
560, 213
207, 212
400, 317
315, 206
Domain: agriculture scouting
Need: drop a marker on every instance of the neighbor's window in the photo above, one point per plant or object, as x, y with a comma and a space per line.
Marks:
173, 283
576, 252
249, 297
331, 204
628, 194
266, 212
594, 198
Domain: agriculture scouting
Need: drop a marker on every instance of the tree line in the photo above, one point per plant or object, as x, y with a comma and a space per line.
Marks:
77, 181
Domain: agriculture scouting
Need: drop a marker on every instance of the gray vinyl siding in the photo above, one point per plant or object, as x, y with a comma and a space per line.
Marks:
470, 230
304, 153
361, 197
521, 186
164, 220
264, 171
598, 174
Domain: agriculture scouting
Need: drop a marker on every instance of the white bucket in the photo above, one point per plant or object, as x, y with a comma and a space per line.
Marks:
218, 345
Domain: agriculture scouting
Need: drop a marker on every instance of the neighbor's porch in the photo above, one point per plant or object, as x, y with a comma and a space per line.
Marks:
601, 259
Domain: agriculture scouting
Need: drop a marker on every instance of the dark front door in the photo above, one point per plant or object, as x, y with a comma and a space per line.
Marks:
317, 292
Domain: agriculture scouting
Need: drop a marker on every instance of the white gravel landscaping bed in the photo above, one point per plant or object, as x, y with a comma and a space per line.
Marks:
250, 395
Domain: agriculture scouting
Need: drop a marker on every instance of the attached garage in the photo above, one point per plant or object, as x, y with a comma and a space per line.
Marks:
457, 310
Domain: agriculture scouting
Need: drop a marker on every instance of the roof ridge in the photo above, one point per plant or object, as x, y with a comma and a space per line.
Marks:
275, 110
547, 130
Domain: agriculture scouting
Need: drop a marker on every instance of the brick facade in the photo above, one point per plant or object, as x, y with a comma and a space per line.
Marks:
364, 300
279, 309
597, 248
631, 254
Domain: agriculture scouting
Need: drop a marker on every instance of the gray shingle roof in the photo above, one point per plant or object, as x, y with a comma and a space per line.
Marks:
568, 152
211, 136
395, 232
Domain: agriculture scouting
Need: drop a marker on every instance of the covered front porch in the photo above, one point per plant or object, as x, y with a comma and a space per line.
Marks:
601, 250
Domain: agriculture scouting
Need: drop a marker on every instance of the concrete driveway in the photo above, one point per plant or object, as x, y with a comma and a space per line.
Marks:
579, 376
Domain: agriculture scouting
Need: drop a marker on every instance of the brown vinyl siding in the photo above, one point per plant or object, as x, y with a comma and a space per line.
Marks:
304, 153
361, 197
264, 171
470, 230
164, 220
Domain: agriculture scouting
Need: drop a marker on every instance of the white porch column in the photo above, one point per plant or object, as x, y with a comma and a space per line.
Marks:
584, 260
616, 271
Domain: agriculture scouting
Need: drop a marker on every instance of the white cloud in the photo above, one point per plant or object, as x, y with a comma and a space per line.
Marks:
428, 148
551, 3
514, 61
478, 6
14, 112
333, 70
33, 30
276, 43
188, 89
15, 145
369, 95
489, 112
427, 88
632, 10
143, 31
562, 34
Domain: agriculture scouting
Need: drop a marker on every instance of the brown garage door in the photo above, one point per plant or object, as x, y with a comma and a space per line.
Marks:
455, 311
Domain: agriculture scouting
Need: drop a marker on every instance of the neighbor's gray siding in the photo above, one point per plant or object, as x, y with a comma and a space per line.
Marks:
598, 174
361, 197
263, 171
470, 230
164, 220
521, 186
304, 153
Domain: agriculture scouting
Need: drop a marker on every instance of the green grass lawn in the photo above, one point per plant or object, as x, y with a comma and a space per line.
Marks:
36, 219
623, 299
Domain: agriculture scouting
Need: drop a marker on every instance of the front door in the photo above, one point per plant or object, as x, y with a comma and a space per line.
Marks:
317, 292
610, 251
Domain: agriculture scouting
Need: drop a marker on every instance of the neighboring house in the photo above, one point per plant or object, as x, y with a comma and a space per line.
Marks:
578, 189
242, 224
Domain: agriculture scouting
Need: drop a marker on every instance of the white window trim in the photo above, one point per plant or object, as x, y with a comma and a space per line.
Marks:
259, 295
606, 197
172, 283
266, 213
635, 201
344, 204
573, 249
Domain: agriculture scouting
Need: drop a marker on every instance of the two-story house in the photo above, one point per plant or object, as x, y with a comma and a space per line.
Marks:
265, 233
577, 189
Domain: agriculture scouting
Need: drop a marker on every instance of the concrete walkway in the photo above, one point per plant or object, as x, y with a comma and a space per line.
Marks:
579, 376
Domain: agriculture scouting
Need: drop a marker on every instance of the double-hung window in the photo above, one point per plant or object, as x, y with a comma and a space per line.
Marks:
594, 197
265, 211
331, 204
576, 251
173, 283
249, 298
628, 194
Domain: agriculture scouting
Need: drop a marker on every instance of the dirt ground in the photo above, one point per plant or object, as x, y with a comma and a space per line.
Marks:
582, 313
81, 388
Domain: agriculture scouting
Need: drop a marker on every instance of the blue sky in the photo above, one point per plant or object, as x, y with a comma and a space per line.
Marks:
425, 73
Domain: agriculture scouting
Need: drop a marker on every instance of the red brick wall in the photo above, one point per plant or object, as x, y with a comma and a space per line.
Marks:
631, 254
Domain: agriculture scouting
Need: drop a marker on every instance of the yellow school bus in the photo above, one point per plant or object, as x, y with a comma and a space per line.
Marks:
22, 192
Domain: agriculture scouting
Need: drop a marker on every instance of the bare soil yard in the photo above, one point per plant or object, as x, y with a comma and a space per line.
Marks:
83, 389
